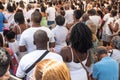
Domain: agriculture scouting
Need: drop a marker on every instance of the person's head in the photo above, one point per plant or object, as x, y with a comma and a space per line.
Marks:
81, 38
19, 18
101, 52
77, 14
1, 7
113, 13
92, 12
41, 39
21, 4
10, 8
4, 64
29, 6
10, 35
60, 20
108, 9
115, 42
52, 70
50, 4
43, 9
36, 17
1, 40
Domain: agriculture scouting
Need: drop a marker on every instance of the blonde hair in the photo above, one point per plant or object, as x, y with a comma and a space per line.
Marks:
51, 70
93, 29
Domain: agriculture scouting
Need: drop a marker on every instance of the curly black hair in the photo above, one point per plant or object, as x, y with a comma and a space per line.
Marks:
81, 38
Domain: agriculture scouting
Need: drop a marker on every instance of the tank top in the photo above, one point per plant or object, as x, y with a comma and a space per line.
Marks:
77, 72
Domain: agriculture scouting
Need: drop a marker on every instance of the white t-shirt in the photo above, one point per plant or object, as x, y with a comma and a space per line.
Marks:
30, 58
69, 16
60, 34
105, 18
107, 29
9, 17
116, 55
14, 46
27, 37
51, 13
29, 13
96, 20
118, 21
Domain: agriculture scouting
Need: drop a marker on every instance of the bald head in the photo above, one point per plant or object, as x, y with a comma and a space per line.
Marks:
40, 37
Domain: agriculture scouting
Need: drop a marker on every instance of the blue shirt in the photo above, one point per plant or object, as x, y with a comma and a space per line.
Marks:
106, 69
2, 19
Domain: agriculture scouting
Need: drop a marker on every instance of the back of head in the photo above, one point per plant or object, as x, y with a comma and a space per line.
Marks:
10, 8
78, 14
113, 13
4, 61
36, 17
10, 35
19, 18
40, 36
116, 42
51, 70
60, 20
92, 12
50, 3
101, 50
81, 38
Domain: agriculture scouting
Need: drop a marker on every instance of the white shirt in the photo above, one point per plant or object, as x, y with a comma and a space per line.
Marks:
96, 20
29, 13
51, 13
27, 37
118, 22
30, 58
105, 18
69, 16
77, 71
116, 55
107, 29
60, 34
14, 46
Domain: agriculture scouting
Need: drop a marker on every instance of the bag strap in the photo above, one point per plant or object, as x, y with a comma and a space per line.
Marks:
39, 59
82, 64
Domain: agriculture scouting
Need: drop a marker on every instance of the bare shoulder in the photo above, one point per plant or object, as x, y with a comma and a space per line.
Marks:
65, 53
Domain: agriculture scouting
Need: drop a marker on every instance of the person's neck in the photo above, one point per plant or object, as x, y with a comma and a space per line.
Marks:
42, 47
36, 25
103, 55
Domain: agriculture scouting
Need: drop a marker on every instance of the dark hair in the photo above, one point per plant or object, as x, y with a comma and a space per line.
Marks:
19, 18
21, 3
10, 35
113, 13
1, 6
81, 38
77, 14
36, 17
50, 3
109, 8
60, 20
1, 40
43, 9
10, 7
4, 61
92, 12
100, 13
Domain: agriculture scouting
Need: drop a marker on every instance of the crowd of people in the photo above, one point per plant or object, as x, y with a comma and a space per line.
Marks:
60, 40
